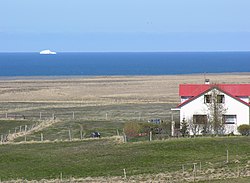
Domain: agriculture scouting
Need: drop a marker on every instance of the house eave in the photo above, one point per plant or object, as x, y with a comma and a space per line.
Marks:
193, 98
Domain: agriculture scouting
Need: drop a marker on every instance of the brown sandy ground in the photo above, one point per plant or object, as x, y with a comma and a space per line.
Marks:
105, 90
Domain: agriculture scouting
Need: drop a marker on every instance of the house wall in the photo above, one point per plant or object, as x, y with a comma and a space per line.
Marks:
232, 106
245, 99
183, 99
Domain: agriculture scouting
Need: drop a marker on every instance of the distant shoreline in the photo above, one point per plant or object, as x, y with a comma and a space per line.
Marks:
112, 76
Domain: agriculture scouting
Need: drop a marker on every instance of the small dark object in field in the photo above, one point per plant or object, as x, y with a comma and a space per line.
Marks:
95, 135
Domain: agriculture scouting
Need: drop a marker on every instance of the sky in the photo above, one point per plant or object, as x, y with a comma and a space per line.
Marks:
124, 25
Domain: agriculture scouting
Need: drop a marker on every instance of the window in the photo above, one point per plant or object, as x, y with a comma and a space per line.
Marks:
220, 99
229, 119
207, 99
200, 119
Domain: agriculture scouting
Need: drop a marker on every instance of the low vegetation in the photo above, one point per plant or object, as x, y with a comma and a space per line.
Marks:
108, 157
244, 129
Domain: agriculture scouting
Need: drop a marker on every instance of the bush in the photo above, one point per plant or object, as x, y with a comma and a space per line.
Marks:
132, 129
244, 129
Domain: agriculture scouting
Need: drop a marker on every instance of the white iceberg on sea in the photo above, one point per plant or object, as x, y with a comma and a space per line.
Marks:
47, 52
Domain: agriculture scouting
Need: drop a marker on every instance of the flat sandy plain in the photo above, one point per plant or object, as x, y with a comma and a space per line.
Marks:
105, 90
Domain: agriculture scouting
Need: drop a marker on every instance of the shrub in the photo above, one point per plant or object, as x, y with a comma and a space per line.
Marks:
132, 129
244, 129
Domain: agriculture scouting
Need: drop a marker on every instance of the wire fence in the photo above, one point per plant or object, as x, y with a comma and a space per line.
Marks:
104, 115
181, 172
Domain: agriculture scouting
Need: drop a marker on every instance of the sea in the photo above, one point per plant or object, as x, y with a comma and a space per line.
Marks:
123, 63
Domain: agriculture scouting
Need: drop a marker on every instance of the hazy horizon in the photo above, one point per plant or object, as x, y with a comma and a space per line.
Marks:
124, 26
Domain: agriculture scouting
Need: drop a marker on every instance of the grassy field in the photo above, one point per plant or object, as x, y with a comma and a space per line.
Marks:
106, 119
105, 157
105, 104
233, 180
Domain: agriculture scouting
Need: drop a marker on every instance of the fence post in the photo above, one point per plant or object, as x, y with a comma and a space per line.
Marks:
81, 134
183, 169
124, 173
150, 136
124, 136
6, 115
172, 128
42, 137
194, 171
73, 115
70, 135
40, 115
117, 132
61, 176
227, 157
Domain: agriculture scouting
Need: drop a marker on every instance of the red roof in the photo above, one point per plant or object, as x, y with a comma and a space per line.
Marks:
193, 90
210, 88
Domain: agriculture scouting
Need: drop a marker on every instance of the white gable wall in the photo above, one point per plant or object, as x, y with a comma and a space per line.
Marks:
232, 106
245, 99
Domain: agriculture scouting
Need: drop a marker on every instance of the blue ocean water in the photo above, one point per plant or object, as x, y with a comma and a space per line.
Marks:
93, 64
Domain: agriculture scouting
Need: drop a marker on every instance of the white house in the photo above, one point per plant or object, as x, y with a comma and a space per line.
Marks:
195, 106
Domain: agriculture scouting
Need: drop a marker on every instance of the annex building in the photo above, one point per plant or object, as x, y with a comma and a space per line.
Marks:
200, 103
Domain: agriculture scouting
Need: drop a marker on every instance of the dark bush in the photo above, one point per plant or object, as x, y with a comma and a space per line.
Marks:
244, 129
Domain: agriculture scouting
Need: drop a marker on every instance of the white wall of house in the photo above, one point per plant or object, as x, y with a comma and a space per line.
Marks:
245, 99
232, 106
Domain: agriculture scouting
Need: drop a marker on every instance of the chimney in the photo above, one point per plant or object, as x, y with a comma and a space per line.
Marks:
207, 82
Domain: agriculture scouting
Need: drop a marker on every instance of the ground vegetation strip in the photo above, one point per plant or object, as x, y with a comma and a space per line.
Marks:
108, 157
50, 121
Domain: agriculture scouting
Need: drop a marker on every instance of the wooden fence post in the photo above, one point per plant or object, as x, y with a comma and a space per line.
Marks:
124, 173
227, 157
61, 176
42, 137
81, 136
194, 171
70, 135
150, 136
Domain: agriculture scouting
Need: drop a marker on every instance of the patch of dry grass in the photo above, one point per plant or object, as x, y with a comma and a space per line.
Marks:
106, 90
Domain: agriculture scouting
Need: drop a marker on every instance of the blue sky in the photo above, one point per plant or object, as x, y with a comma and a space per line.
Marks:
124, 25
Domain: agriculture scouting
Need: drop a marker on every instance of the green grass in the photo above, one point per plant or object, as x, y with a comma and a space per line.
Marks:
96, 112
233, 180
7, 125
87, 118
103, 157
60, 131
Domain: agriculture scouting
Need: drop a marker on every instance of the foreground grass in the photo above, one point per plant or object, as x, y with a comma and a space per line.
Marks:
233, 180
104, 157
